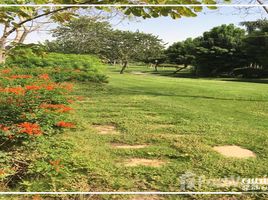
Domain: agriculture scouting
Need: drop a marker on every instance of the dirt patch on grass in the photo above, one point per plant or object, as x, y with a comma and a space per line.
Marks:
144, 162
146, 197
234, 151
126, 146
106, 129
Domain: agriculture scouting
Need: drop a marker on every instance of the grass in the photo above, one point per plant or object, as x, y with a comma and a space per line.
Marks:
181, 119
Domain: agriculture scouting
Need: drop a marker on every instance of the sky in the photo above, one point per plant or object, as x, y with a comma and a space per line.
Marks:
170, 30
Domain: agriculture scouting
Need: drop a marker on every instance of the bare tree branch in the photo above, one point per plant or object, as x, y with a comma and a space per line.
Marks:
264, 7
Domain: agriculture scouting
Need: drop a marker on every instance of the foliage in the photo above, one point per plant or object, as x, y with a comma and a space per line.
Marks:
182, 53
61, 67
30, 104
135, 46
256, 43
87, 35
14, 19
33, 109
84, 35
220, 50
223, 49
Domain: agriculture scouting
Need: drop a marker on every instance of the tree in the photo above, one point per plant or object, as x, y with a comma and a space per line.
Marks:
14, 18
220, 50
182, 53
132, 46
256, 43
85, 35
90, 36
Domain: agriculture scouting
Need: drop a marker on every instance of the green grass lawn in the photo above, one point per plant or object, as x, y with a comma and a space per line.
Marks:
181, 119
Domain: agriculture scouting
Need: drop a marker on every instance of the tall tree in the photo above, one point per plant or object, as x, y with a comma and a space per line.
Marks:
85, 35
220, 50
256, 43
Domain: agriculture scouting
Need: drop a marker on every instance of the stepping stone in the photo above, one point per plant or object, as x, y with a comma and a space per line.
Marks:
106, 129
234, 151
146, 197
125, 146
144, 162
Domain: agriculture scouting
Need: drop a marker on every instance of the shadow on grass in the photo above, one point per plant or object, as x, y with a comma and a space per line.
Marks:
263, 81
190, 75
169, 73
137, 91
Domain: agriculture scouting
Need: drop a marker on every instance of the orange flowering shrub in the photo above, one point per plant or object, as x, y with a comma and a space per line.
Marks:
30, 128
32, 105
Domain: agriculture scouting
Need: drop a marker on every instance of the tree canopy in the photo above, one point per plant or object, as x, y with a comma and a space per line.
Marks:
256, 43
182, 53
89, 36
220, 50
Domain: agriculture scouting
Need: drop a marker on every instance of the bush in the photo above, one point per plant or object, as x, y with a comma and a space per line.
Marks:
60, 74
72, 66
248, 72
32, 107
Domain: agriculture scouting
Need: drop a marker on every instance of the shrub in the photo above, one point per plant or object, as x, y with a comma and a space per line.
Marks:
81, 67
30, 105
33, 109
60, 74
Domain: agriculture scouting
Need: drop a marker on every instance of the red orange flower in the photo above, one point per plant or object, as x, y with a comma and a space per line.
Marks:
65, 124
32, 87
30, 128
4, 128
44, 76
15, 90
5, 71
20, 76
49, 87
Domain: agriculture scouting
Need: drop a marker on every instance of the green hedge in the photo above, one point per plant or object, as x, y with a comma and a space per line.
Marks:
73, 67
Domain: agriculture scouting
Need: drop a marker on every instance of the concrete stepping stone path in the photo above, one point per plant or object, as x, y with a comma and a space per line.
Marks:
106, 129
234, 151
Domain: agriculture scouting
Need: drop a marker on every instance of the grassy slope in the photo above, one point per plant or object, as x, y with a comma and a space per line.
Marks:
182, 119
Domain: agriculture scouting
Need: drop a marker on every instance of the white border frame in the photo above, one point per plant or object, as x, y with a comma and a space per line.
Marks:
131, 5
134, 5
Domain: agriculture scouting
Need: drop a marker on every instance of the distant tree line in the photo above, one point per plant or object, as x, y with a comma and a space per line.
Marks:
225, 50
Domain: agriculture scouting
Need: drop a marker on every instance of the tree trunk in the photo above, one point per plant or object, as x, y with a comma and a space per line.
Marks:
2, 56
2, 50
124, 67
155, 67
185, 66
